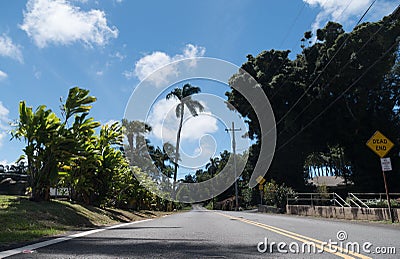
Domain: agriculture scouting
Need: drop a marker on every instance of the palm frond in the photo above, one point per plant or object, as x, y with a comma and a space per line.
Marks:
176, 93
194, 107
189, 90
178, 110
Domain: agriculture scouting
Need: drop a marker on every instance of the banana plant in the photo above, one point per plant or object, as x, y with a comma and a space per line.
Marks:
49, 143
40, 130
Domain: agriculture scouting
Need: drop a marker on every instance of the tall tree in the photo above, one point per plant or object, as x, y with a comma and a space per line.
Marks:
212, 166
162, 158
135, 132
49, 142
184, 95
337, 92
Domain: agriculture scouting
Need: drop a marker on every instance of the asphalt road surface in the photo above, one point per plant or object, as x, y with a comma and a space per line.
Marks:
220, 234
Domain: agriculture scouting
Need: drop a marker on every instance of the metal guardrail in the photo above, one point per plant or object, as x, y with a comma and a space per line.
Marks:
343, 202
359, 200
323, 199
356, 201
364, 198
375, 195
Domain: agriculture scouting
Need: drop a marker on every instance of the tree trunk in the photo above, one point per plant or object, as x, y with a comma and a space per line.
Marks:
178, 140
40, 193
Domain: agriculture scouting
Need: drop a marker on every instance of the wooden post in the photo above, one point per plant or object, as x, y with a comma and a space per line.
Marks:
387, 197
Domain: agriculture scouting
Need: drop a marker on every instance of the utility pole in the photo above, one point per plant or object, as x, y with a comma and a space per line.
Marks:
234, 162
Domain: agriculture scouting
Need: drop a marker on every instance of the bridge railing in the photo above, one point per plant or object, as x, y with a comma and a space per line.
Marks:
360, 200
317, 199
364, 200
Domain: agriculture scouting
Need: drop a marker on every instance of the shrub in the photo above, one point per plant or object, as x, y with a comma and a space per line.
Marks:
276, 195
382, 203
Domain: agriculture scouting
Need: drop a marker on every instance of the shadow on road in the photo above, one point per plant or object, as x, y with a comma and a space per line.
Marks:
97, 247
131, 228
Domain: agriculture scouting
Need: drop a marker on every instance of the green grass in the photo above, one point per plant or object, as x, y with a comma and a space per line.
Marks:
187, 208
209, 206
22, 220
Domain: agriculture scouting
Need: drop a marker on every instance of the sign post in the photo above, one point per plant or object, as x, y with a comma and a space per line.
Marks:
381, 145
386, 164
261, 182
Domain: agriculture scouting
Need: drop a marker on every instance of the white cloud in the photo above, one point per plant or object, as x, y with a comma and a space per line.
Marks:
206, 148
60, 22
3, 75
194, 156
118, 55
9, 49
149, 63
99, 73
4, 162
165, 124
3, 135
197, 142
4, 120
348, 12
3, 112
36, 73
111, 122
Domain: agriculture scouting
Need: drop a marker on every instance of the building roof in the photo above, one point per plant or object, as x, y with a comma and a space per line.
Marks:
328, 180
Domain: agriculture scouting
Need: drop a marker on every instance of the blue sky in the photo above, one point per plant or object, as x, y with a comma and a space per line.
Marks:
108, 46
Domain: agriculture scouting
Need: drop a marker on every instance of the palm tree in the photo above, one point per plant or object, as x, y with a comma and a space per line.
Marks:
212, 168
184, 95
135, 132
160, 157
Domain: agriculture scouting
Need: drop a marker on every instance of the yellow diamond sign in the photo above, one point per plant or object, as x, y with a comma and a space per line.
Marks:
260, 180
380, 144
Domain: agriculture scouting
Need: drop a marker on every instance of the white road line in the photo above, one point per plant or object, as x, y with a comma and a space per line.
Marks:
32, 247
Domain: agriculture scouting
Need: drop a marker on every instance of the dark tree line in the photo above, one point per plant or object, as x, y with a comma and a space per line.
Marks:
336, 93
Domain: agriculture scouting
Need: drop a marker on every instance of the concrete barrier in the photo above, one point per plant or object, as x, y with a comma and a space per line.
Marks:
268, 209
374, 214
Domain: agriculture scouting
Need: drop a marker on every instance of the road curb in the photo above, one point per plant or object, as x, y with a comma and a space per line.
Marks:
31, 248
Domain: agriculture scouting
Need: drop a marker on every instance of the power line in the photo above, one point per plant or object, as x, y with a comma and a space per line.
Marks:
291, 27
345, 9
325, 67
340, 71
340, 96
285, 38
287, 34
347, 38
293, 23
312, 50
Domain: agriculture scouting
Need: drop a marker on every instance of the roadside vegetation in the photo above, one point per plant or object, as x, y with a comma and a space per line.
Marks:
22, 220
327, 103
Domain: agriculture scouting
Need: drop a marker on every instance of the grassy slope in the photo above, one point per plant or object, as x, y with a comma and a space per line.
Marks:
22, 220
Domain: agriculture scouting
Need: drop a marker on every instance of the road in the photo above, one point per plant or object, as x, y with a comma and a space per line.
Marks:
217, 234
